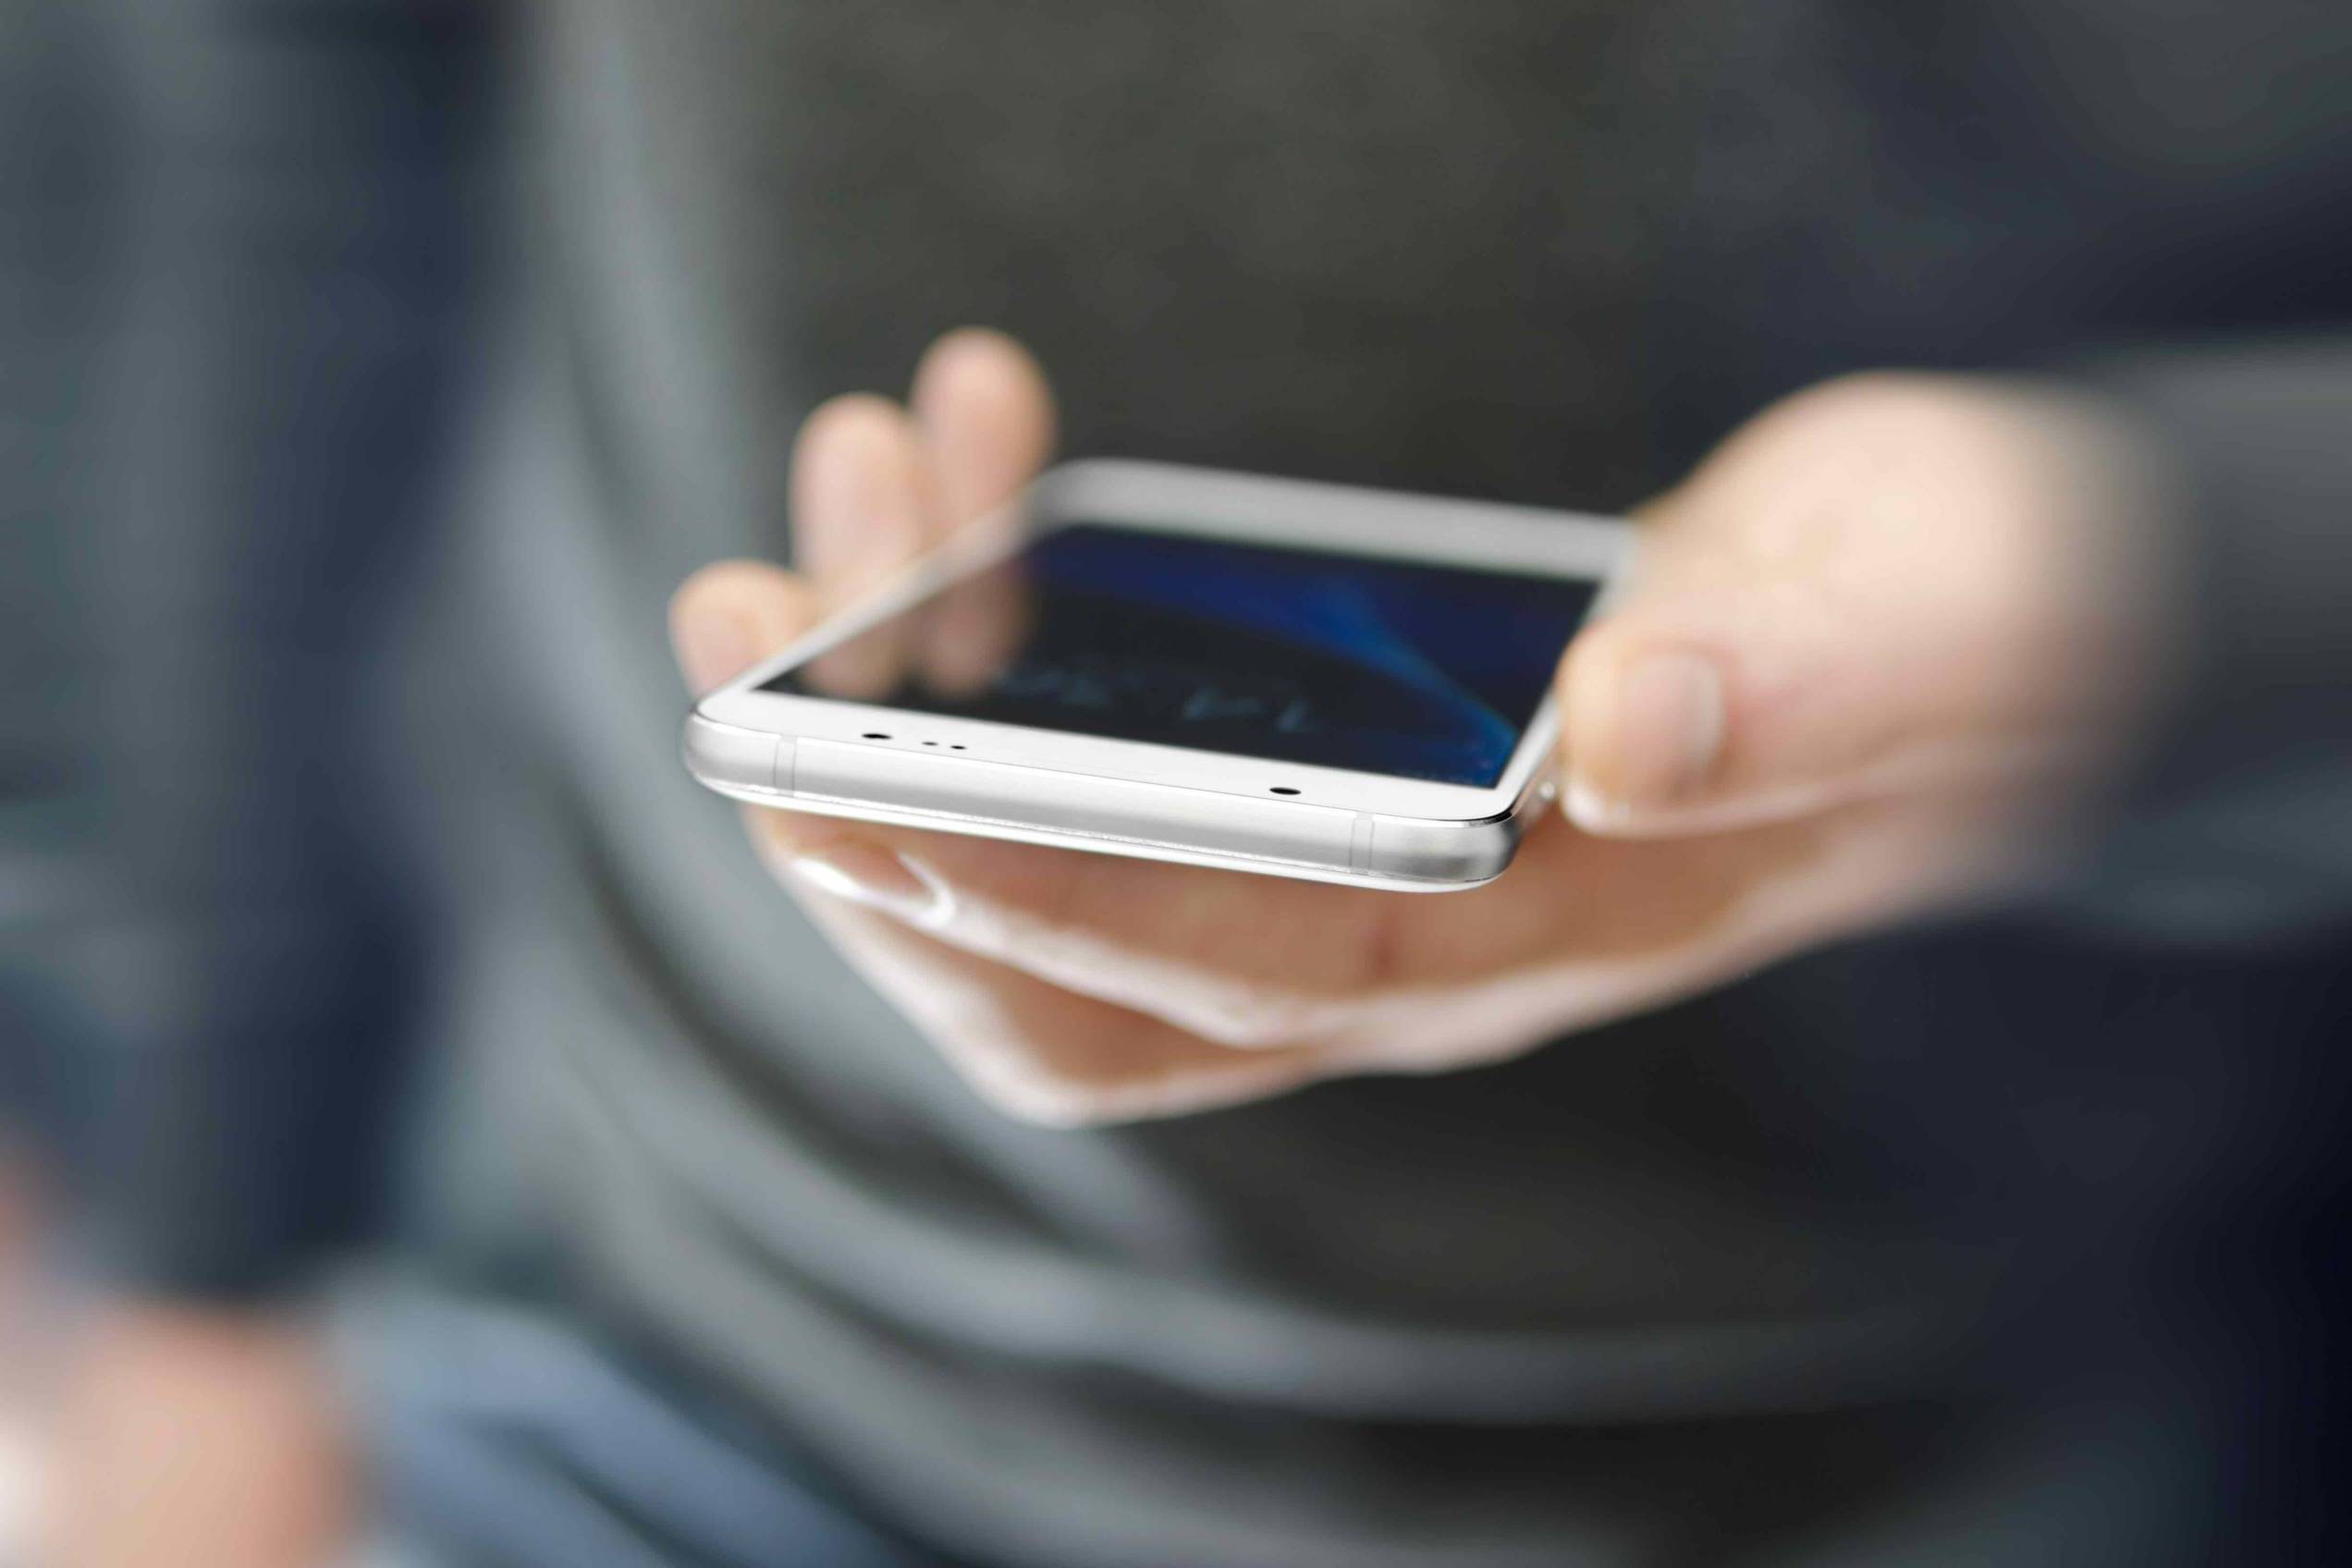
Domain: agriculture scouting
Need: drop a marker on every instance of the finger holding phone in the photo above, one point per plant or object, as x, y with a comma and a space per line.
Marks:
1863, 658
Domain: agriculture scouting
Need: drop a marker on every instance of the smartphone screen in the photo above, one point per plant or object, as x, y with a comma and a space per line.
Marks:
1408, 669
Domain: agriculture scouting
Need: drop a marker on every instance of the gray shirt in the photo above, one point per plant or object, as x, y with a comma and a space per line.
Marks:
1686, 1282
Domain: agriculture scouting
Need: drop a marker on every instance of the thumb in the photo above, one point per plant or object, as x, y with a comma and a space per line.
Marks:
1754, 673
1690, 709
1882, 585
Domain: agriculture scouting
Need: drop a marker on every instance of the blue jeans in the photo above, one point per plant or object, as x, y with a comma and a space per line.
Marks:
500, 1439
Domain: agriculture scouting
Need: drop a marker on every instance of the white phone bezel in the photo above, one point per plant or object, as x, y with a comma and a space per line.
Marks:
1162, 498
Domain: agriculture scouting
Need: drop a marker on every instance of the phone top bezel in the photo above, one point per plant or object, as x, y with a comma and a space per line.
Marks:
1159, 498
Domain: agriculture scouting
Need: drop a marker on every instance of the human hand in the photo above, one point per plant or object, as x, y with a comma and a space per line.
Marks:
1871, 644
198, 1438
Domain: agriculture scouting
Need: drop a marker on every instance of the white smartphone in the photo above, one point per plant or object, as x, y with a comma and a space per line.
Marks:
1176, 664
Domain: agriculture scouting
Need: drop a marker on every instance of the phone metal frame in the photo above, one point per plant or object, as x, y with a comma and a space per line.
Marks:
1139, 798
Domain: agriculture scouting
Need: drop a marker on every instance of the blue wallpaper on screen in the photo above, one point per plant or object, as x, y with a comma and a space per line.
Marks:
1388, 667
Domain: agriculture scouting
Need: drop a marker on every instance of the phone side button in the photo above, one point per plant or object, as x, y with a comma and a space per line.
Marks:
728, 756
786, 748
1360, 843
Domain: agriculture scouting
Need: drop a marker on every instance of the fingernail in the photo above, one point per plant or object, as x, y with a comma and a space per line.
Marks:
712, 648
869, 875
1669, 732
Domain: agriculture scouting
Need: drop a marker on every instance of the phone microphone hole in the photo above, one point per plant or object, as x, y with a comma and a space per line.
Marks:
1281, 789
954, 747
930, 742
874, 735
